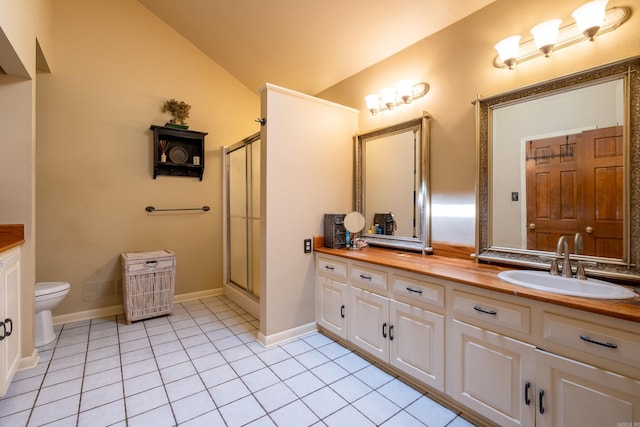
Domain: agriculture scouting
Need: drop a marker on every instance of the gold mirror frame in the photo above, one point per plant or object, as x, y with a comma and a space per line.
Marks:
422, 199
628, 268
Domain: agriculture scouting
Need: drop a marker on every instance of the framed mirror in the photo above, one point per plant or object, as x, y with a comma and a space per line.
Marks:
563, 158
392, 185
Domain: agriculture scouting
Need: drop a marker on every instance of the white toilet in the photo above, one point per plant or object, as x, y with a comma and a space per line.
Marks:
48, 295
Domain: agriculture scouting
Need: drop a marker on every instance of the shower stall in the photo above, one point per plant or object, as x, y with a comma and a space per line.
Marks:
241, 165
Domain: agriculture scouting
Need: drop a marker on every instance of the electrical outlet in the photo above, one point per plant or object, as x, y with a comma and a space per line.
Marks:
307, 246
514, 196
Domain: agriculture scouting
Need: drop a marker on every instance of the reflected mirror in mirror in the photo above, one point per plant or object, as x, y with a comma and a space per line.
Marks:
561, 158
392, 185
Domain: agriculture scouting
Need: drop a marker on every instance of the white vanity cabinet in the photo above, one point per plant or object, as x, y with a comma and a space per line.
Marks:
514, 361
498, 368
331, 295
9, 316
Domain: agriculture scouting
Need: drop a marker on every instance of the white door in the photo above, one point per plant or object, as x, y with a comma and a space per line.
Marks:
417, 343
331, 306
571, 393
492, 374
369, 322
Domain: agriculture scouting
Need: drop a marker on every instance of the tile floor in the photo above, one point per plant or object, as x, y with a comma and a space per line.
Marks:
202, 366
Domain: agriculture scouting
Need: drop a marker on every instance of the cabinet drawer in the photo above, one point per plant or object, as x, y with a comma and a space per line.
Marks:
598, 340
328, 266
369, 278
415, 291
492, 312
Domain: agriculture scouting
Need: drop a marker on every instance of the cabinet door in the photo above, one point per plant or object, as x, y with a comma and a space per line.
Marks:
330, 308
577, 394
492, 374
369, 322
10, 314
417, 343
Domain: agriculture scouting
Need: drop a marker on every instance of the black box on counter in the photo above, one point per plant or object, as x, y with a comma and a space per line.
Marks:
334, 231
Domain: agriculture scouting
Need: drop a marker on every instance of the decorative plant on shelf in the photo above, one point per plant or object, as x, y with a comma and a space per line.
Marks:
179, 110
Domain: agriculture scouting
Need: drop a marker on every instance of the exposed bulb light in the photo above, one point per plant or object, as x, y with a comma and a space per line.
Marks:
545, 35
390, 98
589, 17
508, 50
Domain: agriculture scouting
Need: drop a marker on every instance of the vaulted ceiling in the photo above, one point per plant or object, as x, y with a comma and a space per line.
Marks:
305, 45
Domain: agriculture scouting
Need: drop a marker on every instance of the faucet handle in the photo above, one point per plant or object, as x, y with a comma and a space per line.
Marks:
553, 268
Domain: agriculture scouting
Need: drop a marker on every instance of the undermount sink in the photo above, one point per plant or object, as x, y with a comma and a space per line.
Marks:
543, 281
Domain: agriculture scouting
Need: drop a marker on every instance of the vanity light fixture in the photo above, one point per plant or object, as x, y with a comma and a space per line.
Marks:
590, 19
390, 98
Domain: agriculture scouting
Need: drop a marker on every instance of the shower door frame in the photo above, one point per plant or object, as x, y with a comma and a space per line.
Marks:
249, 290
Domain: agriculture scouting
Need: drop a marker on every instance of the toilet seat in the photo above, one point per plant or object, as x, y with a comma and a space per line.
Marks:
51, 288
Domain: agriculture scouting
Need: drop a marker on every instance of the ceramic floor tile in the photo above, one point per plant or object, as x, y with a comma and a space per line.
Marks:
53, 411
351, 388
295, 414
376, 407
23, 386
324, 402
143, 402
65, 362
184, 387
399, 393
262, 422
18, 419
177, 372
296, 347
187, 323
106, 415
138, 368
207, 362
228, 392
312, 358
227, 342
62, 375
287, 368
348, 416
101, 379
101, 365
403, 419
273, 355
136, 356
260, 379
172, 358
317, 340
210, 419
142, 383
195, 339
242, 411
193, 406
59, 391
19, 403
219, 375
329, 372
159, 329
166, 348
163, 338
237, 352
247, 365
158, 417
275, 396
139, 334
431, 412
459, 422
202, 349
220, 333
304, 384
101, 396
102, 353
352, 362
103, 342
373, 376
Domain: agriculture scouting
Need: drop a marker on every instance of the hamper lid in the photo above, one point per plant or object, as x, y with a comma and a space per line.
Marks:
147, 255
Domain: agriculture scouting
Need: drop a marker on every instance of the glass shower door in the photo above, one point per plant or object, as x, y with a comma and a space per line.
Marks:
243, 169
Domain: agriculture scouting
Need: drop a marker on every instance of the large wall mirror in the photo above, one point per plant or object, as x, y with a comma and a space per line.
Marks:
563, 158
392, 185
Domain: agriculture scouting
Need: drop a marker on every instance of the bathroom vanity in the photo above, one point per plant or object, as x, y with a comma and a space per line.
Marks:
514, 356
11, 237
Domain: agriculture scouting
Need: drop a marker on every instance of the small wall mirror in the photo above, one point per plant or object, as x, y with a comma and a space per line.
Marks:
562, 158
392, 185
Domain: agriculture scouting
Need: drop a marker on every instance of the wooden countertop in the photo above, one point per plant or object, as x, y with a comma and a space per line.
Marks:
11, 235
483, 276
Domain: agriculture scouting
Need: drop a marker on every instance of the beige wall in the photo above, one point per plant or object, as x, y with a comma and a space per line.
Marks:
116, 63
306, 158
458, 64
21, 24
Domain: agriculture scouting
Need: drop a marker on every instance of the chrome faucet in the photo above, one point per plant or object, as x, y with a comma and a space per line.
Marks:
563, 250
578, 248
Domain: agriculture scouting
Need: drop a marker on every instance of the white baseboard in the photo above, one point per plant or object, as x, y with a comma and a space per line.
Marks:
119, 309
29, 362
281, 337
249, 304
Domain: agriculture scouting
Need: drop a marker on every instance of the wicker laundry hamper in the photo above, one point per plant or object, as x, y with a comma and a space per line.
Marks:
148, 281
